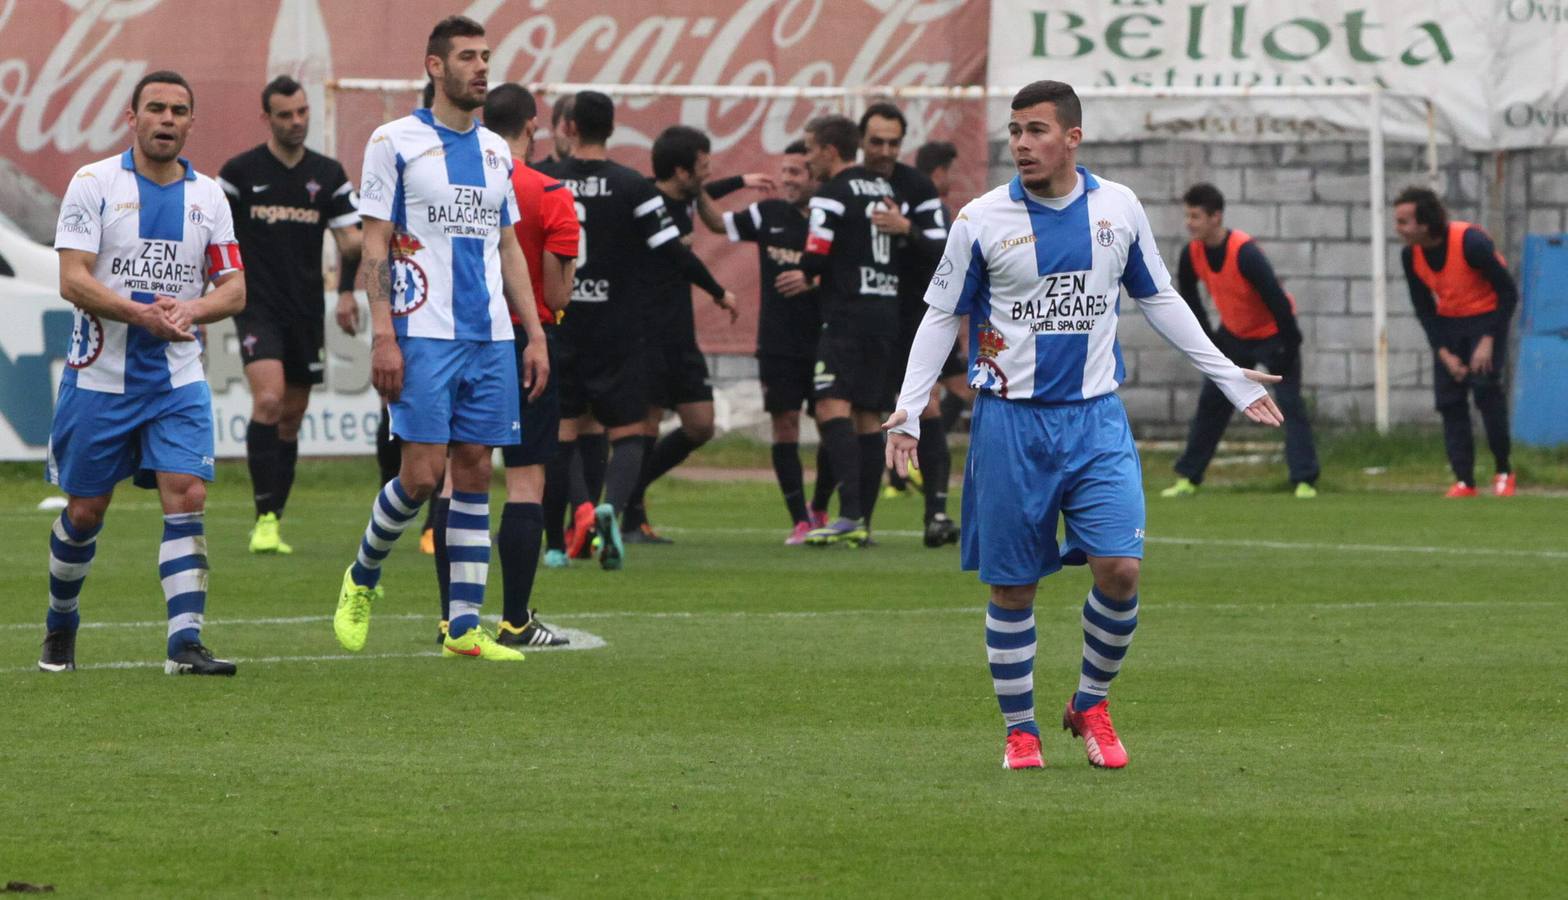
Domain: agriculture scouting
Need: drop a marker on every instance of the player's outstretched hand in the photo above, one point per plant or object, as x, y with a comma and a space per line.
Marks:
536, 369
900, 447
166, 318
1263, 410
386, 368
729, 305
759, 181
348, 313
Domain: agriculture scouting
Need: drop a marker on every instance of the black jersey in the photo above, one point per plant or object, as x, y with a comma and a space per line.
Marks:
280, 215
856, 261
623, 219
920, 251
788, 326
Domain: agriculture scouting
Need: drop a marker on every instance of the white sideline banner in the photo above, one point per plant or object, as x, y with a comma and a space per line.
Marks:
342, 419
1496, 69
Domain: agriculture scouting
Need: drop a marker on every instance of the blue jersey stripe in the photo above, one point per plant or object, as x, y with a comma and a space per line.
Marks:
399, 198
1140, 284
160, 218
1059, 361
470, 288
1061, 237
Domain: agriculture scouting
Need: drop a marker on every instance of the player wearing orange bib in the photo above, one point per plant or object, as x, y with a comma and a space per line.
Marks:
1257, 327
1464, 298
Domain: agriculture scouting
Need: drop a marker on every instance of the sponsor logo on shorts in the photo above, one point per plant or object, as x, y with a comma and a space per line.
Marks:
249, 343
1138, 533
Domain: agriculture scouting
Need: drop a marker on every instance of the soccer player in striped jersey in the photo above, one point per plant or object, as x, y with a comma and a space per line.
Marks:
443, 266
1257, 325
140, 237
1037, 266
1464, 298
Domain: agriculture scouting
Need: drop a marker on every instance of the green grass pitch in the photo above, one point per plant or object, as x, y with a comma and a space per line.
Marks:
1362, 695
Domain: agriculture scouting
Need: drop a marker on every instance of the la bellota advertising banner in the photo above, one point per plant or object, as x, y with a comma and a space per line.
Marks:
1495, 70
67, 68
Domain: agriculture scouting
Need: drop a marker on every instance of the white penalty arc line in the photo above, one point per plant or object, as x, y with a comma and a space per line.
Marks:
1311, 546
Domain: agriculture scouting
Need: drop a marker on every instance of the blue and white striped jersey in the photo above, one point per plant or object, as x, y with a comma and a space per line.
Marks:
447, 194
1042, 287
151, 240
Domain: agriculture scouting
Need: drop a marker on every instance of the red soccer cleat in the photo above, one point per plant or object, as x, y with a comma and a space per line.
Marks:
1023, 751
1460, 489
1100, 742
817, 518
580, 533
798, 535
1503, 485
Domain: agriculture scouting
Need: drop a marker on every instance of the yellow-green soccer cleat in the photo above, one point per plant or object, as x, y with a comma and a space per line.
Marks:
1182, 488
476, 643
1305, 491
351, 622
266, 537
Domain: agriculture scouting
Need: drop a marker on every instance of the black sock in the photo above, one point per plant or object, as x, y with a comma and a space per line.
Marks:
557, 473
822, 491
936, 464
623, 471
595, 452
952, 407
389, 450
838, 436
288, 455
635, 515
439, 508
518, 545
786, 468
872, 464
261, 452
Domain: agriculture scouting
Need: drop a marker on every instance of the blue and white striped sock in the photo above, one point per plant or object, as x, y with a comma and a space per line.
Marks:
468, 549
1107, 631
391, 515
182, 567
1009, 647
70, 556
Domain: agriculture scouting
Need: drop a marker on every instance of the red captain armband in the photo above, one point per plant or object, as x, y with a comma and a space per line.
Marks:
819, 245
223, 258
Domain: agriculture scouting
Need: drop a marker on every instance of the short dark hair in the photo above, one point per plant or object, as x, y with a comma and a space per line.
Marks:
835, 131
440, 43
884, 110
594, 115
1430, 211
934, 155
283, 86
1206, 197
1069, 112
427, 97
162, 76
562, 109
796, 148
677, 147
508, 108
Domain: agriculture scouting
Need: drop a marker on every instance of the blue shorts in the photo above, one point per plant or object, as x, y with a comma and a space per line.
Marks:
100, 439
1029, 462
462, 392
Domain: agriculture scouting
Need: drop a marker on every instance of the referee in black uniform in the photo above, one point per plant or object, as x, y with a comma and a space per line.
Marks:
283, 197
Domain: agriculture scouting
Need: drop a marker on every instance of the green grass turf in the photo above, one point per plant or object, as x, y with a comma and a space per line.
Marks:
1307, 712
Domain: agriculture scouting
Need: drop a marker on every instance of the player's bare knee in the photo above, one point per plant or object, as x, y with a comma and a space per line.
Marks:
86, 513
182, 493
1013, 596
1117, 578
267, 409
786, 428
699, 433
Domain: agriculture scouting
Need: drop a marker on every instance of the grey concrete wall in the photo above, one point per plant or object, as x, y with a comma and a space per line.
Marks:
1307, 205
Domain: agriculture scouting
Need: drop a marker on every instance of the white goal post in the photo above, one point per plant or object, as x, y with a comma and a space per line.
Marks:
851, 100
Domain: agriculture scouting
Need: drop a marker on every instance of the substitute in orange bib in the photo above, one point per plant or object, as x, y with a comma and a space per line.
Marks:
1257, 327
1464, 299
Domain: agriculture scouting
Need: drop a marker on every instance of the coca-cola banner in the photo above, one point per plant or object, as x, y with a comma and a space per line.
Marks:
67, 68
1496, 72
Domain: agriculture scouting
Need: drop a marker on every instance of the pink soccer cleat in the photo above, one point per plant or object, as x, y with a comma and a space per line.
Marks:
1023, 751
1460, 489
1100, 742
798, 535
1503, 485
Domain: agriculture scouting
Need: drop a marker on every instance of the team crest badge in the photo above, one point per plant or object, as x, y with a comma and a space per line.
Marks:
492, 159
196, 215
987, 374
410, 287
313, 187
86, 341
1104, 234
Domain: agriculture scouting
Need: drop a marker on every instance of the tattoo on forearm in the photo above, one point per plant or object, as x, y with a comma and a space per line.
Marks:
379, 281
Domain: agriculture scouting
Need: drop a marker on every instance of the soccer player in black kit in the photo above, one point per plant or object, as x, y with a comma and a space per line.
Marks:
283, 197
625, 223
918, 223
854, 256
789, 323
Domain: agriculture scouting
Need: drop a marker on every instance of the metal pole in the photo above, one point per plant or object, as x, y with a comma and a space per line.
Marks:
1379, 232
1431, 146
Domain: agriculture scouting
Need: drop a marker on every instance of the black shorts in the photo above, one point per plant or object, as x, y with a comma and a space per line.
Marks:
541, 418
852, 365
676, 373
606, 383
299, 343
786, 382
